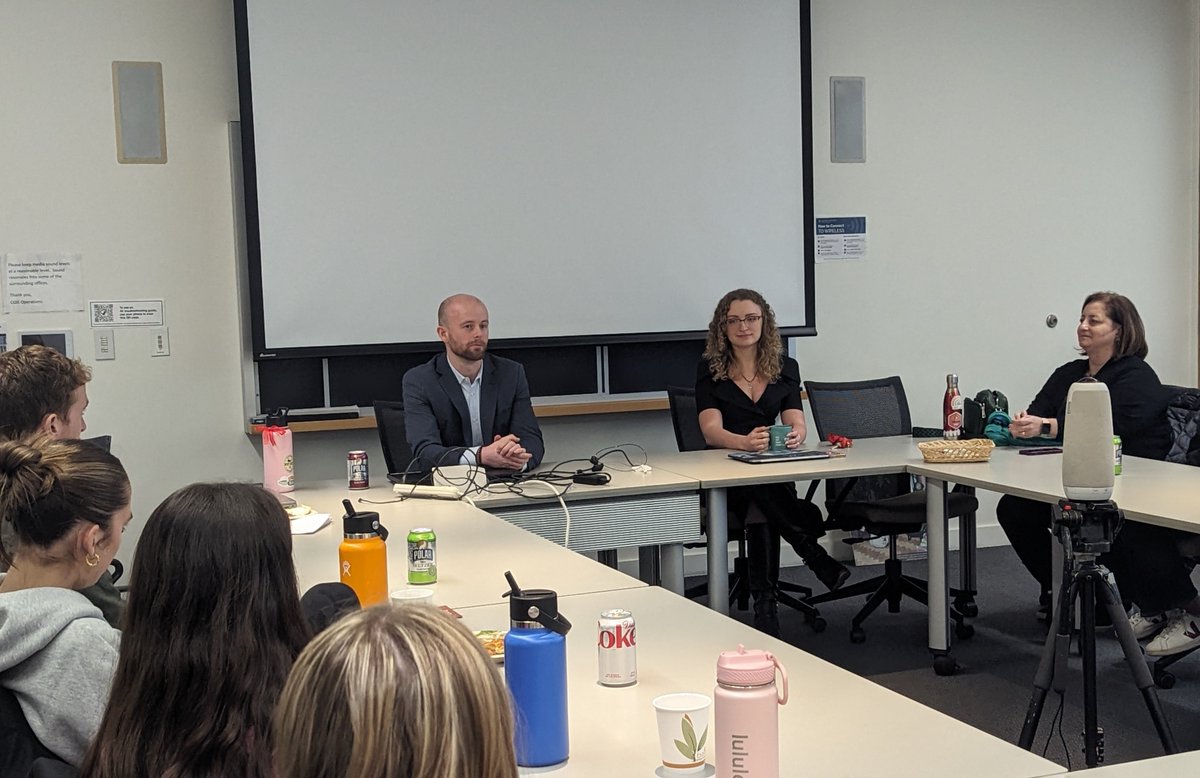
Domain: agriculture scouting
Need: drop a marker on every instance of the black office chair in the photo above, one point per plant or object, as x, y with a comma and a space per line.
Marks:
397, 454
1183, 416
883, 505
688, 437
19, 746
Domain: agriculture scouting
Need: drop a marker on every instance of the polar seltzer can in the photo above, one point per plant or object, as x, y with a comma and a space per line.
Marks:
422, 556
357, 473
617, 648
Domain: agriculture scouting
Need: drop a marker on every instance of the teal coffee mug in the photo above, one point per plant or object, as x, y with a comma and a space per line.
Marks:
779, 433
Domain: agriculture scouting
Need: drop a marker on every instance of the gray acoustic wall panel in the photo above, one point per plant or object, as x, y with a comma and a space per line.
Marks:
848, 119
138, 100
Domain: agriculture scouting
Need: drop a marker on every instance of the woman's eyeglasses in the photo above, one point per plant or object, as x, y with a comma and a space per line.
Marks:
751, 320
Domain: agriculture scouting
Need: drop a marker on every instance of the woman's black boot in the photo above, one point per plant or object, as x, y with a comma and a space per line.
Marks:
828, 570
766, 612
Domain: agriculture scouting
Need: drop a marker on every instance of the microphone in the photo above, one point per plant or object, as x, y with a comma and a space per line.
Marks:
1087, 464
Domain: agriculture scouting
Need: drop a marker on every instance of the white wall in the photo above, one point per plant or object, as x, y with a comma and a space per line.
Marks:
145, 231
1020, 155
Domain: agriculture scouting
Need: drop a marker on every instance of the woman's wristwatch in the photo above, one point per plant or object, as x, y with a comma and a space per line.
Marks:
1045, 433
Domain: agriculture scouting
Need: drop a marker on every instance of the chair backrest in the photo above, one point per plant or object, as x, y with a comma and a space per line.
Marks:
389, 420
861, 409
1183, 416
100, 441
685, 418
19, 747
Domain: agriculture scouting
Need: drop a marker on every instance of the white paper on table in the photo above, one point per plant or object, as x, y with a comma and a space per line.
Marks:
307, 525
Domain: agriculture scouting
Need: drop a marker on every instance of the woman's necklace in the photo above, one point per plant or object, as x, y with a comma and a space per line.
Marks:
749, 381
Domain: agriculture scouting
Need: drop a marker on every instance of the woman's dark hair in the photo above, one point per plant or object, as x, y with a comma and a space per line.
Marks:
1132, 336
212, 627
48, 486
719, 353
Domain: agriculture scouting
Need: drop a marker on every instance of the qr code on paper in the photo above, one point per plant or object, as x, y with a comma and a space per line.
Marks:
102, 313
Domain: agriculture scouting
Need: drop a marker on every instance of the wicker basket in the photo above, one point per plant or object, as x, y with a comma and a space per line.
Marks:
956, 450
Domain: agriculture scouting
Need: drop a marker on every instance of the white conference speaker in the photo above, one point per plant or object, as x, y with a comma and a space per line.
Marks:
1087, 464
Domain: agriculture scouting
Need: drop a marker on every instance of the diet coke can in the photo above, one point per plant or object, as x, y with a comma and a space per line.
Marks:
357, 474
617, 648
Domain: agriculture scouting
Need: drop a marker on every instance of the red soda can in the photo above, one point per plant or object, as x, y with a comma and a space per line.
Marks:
617, 648
357, 472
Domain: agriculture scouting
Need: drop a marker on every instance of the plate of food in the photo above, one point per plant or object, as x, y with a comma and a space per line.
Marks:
297, 511
492, 641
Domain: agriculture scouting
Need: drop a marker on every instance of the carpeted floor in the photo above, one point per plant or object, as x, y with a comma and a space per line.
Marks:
993, 687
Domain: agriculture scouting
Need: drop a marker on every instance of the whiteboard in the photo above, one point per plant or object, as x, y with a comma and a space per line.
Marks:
587, 168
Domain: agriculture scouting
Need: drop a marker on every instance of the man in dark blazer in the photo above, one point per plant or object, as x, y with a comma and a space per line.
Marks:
466, 406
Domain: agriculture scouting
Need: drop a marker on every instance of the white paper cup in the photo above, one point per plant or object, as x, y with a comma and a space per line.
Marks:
412, 597
683, 731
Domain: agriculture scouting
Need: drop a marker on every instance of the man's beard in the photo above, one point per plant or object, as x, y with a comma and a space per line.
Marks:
466, 353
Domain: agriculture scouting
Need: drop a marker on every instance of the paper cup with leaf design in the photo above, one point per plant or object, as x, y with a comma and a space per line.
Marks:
683, 730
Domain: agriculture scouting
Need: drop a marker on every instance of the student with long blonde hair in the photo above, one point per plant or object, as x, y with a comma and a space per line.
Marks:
394, 691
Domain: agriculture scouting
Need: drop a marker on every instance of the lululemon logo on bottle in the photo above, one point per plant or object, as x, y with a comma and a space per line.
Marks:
740, 753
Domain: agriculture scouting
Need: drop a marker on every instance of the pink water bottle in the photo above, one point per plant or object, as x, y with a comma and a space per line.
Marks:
746, 713
279, 467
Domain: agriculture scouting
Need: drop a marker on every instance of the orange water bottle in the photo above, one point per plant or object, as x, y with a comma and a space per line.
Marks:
362, 555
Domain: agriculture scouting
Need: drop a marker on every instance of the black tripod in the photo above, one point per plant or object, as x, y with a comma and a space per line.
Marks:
1086, 530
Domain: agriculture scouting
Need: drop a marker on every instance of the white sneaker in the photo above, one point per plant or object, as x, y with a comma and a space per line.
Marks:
1182, 633
1145, 625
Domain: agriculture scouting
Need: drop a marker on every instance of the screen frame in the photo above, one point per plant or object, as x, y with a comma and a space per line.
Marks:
261, 350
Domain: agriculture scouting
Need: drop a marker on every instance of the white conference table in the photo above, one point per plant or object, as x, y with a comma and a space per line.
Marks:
659, 509
474, 549
716, 473
1149, 491
835, 723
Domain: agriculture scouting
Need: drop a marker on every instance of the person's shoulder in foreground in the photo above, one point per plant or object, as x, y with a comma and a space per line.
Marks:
57, 653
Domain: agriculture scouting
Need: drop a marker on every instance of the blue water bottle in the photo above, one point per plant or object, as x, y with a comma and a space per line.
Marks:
535, 668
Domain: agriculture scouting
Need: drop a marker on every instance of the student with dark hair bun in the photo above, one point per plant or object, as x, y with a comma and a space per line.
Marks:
67, 504
211, 629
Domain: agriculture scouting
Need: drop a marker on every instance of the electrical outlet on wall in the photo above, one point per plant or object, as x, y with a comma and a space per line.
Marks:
160, 343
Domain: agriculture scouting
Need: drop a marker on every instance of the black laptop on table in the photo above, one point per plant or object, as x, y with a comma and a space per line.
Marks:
789, 455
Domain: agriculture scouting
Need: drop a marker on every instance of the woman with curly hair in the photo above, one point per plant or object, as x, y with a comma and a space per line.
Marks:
744, 382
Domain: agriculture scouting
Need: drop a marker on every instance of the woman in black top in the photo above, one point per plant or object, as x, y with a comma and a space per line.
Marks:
1149, 569
743, 383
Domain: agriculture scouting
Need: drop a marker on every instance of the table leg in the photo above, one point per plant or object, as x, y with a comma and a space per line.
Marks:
936, 525
648, 565
671, 567
967, 543
607, 557
718, 551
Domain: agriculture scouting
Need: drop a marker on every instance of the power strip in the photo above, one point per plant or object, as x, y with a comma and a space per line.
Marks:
428, 492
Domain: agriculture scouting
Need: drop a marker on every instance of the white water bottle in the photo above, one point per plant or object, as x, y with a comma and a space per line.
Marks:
279, 466
746, 713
